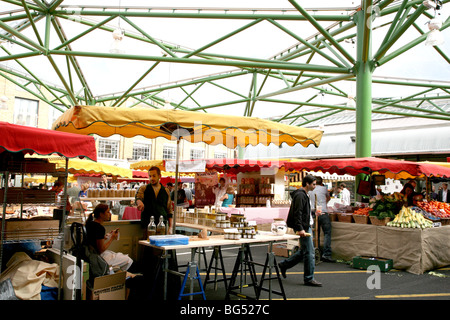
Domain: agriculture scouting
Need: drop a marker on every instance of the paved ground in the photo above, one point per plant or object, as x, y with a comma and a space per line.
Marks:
340, 281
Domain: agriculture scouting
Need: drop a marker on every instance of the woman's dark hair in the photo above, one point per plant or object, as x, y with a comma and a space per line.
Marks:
100, 208
407, 186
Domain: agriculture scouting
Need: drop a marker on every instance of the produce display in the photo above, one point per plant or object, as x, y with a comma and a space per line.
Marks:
387, 206
436, 208
426, 214
394, 206
409, 218
362, 211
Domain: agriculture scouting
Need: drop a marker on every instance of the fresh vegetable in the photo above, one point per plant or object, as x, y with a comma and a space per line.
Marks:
363, 211
384, 208
408, 218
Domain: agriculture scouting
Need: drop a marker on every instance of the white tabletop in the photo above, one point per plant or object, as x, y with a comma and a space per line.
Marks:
219, 240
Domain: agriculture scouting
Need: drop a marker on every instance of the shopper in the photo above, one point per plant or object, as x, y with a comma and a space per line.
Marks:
220, 191
444, 195
345, 195
104, 184
181, 196
300, 219
433, 194
100, 240
154, 200
320, 197
228, 198
187, 191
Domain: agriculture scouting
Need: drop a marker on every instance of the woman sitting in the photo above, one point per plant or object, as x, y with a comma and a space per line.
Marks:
100, 240
227, 199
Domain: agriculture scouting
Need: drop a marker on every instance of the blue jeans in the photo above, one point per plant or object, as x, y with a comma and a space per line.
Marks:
325, 225
306, 253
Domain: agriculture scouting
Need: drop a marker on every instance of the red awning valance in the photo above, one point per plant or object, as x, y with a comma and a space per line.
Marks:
17, 138
241, 165
354, 166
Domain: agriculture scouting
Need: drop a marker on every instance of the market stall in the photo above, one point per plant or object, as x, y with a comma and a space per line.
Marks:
15, 142
213, 129
412, 232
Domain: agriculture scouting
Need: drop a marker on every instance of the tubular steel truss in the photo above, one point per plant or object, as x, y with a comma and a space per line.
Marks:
293, 64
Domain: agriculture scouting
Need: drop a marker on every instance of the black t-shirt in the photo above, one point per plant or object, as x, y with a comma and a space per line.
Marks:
94, 231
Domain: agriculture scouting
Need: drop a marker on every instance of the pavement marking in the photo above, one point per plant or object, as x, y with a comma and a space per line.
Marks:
418, 295
318, 298
300, 272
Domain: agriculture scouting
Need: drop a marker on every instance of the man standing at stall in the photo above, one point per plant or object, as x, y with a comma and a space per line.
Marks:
300, 219
319, 199
154, 200
345, 195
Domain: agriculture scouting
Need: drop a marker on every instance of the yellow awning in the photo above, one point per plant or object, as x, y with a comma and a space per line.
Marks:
91, 167
147, 164
209, 128
144, 165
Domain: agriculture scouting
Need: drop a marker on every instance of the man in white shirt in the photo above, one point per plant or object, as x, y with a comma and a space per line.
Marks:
345, 195
320, 197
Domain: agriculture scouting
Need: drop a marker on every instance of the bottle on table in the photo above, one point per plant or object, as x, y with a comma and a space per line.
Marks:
151, 229
161, 227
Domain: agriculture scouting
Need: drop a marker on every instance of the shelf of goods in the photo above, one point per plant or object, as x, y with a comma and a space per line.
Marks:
35, 204
107, 194
254, 194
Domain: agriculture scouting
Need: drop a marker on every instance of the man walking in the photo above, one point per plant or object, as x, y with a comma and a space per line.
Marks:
300, 219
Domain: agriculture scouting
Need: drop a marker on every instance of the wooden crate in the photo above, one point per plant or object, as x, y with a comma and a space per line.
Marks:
361, 219
379, 222
345, 218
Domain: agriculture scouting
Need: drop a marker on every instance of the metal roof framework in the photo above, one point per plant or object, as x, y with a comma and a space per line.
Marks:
292, 64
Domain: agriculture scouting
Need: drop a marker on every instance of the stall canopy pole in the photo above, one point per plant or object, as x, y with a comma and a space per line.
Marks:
63, 232
175, 194
6, 180
364, 69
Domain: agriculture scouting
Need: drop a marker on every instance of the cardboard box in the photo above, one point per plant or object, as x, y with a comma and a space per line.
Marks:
280, 249
361, 262
109, 287
68, 273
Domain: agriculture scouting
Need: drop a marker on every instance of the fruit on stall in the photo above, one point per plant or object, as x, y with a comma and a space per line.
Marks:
409, 218
436, 208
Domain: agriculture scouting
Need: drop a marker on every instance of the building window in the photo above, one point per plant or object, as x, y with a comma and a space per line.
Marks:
197, 154
169, 152
26, 112
141, 151
108, 149
219, 154
54, 114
